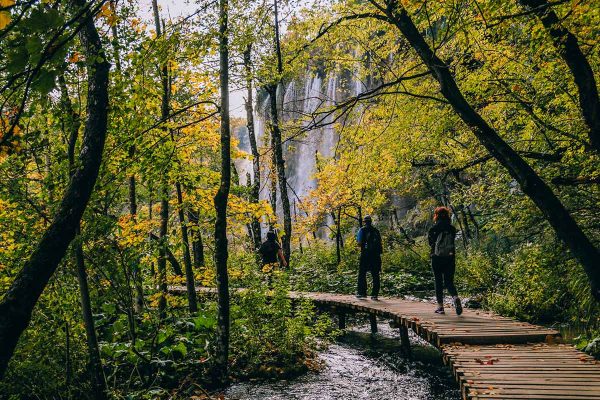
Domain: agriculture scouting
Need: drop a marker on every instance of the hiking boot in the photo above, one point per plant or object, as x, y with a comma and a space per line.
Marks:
439, 310
361, 296
374, 298
458, 306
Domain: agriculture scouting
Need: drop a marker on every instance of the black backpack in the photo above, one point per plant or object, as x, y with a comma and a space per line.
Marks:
373, 241
444, 244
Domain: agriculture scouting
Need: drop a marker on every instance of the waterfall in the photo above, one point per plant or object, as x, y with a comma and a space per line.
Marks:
298, 100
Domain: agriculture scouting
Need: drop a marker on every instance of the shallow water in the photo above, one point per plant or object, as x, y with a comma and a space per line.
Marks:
360, 366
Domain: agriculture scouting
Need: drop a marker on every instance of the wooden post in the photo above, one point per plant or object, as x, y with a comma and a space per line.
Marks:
373, 319
404, 341
341, 319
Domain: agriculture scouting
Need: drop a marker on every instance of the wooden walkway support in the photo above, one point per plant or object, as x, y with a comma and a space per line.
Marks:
492, 357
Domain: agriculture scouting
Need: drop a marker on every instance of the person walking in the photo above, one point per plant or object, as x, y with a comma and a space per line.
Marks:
371, 248
270, 252
441, 238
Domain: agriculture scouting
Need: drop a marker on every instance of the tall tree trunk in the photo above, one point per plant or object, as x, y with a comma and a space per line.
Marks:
169, 256
277, 144
280, 166
474, 221
18, 302
464, 234
568, 48
95, 363
162, 252
220, 201
136, 271
338, 235
150, 218
197, 246
164, 201
273, 178
115, 36
465, 222
532, 185
187, 260
138, 302
255, 191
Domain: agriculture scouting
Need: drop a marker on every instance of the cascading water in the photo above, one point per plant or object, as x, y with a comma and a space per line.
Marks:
300, 98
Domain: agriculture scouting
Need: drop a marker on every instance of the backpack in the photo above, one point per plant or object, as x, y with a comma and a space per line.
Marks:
444, 244
373, 242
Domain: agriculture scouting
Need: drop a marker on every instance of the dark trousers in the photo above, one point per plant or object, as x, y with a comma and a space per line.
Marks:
373, 265
443, 272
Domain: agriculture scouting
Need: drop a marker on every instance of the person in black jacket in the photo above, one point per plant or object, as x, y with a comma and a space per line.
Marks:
371, 248
443, 258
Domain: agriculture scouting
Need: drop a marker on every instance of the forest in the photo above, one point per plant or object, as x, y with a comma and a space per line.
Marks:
148, 146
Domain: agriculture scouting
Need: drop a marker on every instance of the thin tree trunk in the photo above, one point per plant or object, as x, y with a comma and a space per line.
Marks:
95, 362
474, 221
164, 200
465, 222
169, 256
281, 178
115, 37
162, 252
568, 48
273, 178
187, 260
277, 144
255, 191
150, 217
532, 185
338, 236
220, 201
460, 224
136, 271
197, 246
18, 302
359, 216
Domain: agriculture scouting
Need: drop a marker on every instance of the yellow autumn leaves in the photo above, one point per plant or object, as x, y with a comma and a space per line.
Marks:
107, 13
133, 232
4, 14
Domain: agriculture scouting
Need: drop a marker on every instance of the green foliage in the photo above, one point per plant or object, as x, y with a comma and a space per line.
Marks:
405, 270
275, 338
537, 283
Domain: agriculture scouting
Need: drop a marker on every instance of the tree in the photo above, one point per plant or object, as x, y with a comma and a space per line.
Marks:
187, 259
568, 48
72, 122
220, 202
255, 193
18, 303
164, 190
532, 185
276, 142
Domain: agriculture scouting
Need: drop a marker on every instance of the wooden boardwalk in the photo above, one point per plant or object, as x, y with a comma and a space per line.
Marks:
492, 357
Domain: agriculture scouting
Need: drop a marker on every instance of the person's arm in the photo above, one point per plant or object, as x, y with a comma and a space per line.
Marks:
282, 258
431, 236
359, 237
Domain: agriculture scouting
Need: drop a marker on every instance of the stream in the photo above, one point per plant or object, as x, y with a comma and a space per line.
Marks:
362, 366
